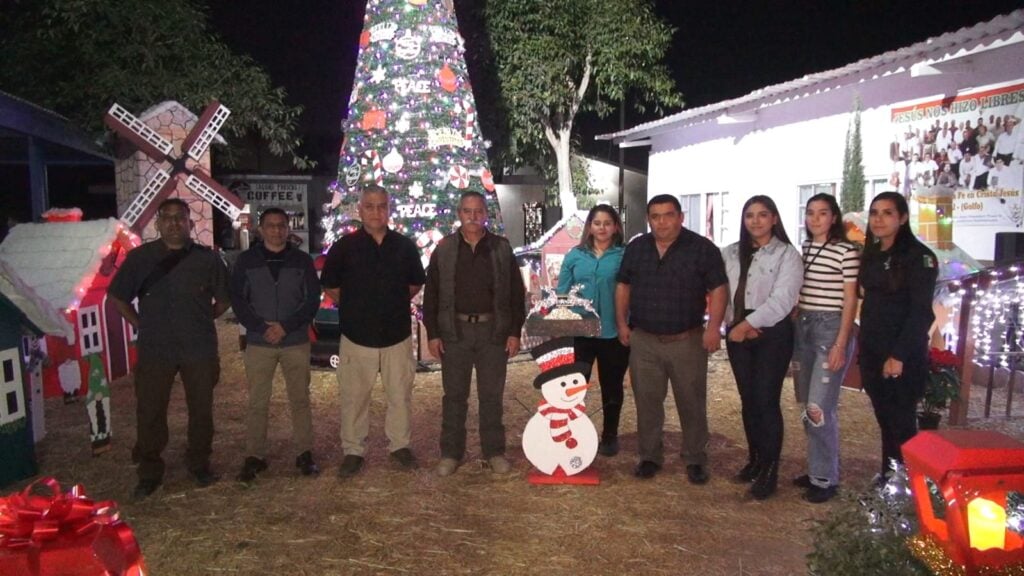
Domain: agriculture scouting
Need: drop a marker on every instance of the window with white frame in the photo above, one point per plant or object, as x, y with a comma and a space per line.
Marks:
716, 216
89, 330
691, 210
877, 186
806, 192
12, 394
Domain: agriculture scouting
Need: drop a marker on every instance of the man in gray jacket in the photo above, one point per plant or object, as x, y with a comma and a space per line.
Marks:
275, 294
474, 307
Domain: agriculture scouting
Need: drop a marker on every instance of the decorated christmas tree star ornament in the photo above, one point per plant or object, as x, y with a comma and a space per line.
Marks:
393, 161
458, 177
416, 190
378, 75
447, 78
560, 437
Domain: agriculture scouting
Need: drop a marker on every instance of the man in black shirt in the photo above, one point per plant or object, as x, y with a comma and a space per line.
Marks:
372, 274
666, 278
181, 287
474, 307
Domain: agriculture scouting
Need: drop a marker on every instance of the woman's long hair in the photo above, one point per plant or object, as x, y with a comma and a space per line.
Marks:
903, 236
587, 241
837, 231
746, 242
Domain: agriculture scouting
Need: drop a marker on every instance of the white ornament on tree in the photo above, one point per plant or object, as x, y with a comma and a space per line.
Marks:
416, 190
402, 126
393, 162
379, 74
408, 47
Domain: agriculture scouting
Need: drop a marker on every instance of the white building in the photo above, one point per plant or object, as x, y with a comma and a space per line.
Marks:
788, 140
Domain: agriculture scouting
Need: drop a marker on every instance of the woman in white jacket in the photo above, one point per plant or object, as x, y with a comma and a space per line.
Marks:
765, 275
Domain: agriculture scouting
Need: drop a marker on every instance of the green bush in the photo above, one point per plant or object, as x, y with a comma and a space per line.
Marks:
864, 536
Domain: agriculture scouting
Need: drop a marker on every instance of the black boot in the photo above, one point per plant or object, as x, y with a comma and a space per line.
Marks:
749, 472
767, 480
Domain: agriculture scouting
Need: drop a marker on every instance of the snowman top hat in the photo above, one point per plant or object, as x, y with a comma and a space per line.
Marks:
557, 358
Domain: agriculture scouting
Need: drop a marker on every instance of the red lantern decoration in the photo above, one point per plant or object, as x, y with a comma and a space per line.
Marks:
973, 471
375, 119
447, 79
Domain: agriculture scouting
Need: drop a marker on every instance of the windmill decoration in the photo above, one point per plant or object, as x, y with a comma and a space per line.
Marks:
184, 166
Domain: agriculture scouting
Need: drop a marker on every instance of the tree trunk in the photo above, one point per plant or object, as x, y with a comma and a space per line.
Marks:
563, 156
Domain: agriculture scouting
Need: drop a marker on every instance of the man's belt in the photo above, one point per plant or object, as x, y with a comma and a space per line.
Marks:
475, 318
663, 338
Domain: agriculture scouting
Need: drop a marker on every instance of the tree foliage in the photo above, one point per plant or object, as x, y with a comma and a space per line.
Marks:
853, 166
558, 59
77, 57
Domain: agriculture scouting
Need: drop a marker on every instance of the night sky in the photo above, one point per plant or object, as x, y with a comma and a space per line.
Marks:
722, 48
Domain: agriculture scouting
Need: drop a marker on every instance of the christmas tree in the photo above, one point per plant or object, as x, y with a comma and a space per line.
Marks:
411, 124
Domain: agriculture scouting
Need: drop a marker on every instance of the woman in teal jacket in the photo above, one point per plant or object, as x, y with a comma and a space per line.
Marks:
594, 264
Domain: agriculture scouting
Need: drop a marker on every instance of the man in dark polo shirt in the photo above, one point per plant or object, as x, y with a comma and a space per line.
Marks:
474, 307
663, 285
372, 274
181, 288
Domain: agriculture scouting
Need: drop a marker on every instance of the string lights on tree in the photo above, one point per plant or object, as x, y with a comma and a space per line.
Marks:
411, 125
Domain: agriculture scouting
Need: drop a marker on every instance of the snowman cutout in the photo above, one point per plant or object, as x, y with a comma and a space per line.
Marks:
559, 439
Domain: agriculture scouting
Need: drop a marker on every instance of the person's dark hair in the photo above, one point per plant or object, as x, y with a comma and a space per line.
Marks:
587, 241
173, 202
272, 210
837, 231
665, 199
903, 236
746, 242
472, 194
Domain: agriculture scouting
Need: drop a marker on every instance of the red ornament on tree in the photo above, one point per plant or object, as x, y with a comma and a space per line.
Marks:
447, 79
364, 39
487, 179
375, 120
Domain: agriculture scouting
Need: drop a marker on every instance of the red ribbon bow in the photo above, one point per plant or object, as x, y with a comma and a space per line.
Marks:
30, 521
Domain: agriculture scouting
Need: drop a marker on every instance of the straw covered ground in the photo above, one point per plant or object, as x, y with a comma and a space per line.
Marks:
387, 521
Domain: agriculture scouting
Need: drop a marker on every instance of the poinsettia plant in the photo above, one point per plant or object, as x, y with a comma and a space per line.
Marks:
943, 380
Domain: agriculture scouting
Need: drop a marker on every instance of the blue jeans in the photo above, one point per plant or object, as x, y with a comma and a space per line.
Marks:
818, 387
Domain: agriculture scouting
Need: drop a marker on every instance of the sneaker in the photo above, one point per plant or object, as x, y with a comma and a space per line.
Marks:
404, 458
803, 481
817, 494
499, 465
446, 467
144, 489
251, 468
646, 470
697, 474
306, 465
204, 477
350, 466
608, 447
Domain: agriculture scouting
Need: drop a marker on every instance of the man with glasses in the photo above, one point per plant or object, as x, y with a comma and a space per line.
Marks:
181, 288
275, 294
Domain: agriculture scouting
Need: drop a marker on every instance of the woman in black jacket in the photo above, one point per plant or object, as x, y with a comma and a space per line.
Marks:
897, 280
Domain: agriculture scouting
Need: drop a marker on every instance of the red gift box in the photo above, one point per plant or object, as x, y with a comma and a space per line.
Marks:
64, 534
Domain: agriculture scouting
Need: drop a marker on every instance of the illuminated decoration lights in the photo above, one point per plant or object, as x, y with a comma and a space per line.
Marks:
994, 297
411, 125
124, 241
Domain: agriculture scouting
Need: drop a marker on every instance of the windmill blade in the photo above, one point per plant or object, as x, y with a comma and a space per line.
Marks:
135, 131
220, 197
141, 210
205, 130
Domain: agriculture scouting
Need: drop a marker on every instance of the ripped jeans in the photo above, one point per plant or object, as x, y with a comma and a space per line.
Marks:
818, 387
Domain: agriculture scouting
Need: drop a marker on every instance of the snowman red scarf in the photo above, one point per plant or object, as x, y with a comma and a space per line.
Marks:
558, 421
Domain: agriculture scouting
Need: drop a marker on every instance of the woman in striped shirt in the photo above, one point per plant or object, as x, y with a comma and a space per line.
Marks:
827, 306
